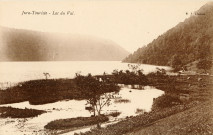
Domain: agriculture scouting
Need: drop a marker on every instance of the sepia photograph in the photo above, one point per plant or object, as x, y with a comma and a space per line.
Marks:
106, 67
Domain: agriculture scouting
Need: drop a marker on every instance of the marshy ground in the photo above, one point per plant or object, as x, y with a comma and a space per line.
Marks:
186, 108
192, 116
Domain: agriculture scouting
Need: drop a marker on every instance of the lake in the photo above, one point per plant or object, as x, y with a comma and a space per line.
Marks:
14, 72
23, 71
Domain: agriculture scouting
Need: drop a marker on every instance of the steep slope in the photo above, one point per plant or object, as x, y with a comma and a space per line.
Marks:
188, 41
195, 121
26, 45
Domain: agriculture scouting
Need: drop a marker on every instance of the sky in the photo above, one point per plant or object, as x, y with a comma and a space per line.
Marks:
129, 23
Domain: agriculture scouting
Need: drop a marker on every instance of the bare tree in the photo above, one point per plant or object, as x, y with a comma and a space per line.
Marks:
97, 103
46, 75
97, 92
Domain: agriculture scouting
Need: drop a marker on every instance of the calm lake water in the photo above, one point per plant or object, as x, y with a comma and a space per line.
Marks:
22, 71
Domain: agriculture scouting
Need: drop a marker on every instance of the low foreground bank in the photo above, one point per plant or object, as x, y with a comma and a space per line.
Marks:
75, 122
189, 116
185, 96
19, 113
39, 92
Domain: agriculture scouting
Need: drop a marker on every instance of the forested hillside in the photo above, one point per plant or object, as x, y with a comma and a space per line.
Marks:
28, 45
189, 41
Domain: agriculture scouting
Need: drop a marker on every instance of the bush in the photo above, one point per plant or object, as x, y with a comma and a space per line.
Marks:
122, 101
140, 111
204, 64
165, 101
114, 114
129, 77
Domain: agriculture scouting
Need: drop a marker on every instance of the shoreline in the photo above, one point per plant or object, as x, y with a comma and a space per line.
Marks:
198, 97
181, 86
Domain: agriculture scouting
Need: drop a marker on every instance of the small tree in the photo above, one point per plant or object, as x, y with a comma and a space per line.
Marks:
134, 68
176, 63
46, 75
95, 91
100, 102
115, 72
161, 71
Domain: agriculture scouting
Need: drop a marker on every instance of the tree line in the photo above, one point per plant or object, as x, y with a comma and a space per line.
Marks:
189, 41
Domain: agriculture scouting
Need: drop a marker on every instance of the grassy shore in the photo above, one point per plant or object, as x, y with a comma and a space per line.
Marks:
200, 92
39, 91
75, 122
196, 120
47, 91
198, 88
19, 113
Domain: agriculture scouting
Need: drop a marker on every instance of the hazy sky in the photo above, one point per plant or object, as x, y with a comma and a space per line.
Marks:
129, 23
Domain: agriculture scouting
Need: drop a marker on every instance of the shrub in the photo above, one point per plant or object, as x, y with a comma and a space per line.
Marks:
122, 101
165, 101
140, 111
114, 114
204, 64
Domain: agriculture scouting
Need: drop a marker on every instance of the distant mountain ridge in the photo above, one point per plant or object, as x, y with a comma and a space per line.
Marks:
27, 45
188, 41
